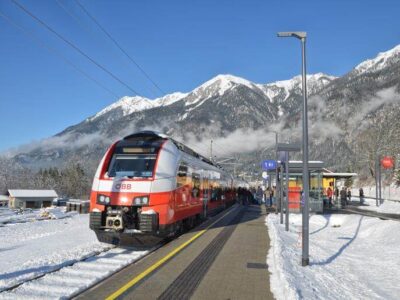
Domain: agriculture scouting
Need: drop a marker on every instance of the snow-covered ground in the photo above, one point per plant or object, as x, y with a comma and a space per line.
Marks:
10, 216
388, 192
387, 207
351, 257
31, 246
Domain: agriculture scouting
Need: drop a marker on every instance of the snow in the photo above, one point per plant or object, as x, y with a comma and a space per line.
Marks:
36, 247
387, 207
274, 89
226, 81
351, 257
10, 216
62, 243
130, 105
388, 192
297, 80
169, 99
216, 86
71, 280
379, 62
390, 195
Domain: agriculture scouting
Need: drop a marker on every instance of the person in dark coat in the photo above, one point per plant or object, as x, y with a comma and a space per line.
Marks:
343, 197
361, 194
348, 195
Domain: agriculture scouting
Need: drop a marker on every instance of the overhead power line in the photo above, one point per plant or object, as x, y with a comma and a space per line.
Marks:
120, 47
55, 52
74, 46
81, 24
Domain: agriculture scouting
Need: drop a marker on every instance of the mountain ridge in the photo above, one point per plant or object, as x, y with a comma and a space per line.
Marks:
227, 106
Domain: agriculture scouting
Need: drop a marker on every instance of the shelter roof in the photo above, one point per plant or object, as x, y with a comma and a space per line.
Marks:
33, 193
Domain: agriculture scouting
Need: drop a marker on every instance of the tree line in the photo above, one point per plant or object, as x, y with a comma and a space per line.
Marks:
71, 181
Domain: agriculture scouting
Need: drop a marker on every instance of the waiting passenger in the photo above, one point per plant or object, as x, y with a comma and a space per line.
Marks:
329, 194
361, 191
349, 195
343, 197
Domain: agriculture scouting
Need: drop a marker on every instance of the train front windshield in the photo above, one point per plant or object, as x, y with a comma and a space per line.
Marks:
132, 166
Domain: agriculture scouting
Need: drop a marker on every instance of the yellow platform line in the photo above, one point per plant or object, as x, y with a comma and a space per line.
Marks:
162, 261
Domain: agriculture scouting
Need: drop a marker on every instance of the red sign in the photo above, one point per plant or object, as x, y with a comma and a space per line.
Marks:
387, 162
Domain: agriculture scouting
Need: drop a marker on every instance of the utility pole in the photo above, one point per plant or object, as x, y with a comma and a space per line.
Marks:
287, 191
211, 154
377, 167
280, 170
276, 172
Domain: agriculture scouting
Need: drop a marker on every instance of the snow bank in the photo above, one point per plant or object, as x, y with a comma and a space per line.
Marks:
351, 257
33, 248
9, 216
387, 207
388, 192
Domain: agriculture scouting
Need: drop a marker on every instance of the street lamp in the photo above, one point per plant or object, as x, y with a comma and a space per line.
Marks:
305, 219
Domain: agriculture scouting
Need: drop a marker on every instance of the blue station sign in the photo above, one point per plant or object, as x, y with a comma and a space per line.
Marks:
269, 164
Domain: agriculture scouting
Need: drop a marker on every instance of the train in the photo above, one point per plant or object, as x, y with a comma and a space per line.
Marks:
149, 187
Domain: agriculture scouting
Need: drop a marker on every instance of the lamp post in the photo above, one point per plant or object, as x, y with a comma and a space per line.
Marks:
276, 172
305, 217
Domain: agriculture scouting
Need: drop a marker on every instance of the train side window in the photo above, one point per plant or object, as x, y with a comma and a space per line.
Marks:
181, 177
195, 185
214, 191
205, 186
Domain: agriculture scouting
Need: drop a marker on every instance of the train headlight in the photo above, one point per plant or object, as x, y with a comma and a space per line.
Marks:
103, 200
140, 201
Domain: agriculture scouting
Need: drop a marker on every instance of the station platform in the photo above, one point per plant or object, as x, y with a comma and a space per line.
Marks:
223, 258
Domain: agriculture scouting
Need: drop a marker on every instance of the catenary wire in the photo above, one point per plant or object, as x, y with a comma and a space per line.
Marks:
81, 24
120, 47
73, 46
84, 27
55, 52
84, 54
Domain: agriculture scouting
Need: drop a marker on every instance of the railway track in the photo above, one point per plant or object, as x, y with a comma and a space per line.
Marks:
78, 276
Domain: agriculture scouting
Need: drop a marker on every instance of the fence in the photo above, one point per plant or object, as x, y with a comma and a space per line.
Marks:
81, 206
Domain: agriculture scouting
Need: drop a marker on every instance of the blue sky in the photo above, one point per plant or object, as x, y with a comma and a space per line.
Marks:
180, 44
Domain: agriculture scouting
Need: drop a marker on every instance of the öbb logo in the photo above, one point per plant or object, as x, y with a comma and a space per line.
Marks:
123, 186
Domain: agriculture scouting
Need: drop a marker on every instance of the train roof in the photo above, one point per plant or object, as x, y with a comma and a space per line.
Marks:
154, 135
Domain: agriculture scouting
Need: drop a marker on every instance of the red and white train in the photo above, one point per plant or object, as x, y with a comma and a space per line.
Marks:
149, 186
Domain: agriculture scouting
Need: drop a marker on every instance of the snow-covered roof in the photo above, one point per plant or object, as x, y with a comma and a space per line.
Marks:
33, 193
3, 198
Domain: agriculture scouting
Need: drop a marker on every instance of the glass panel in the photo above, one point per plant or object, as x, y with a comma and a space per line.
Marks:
132, 166
181, 179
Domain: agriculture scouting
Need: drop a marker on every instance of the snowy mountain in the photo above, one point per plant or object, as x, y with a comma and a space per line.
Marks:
382, 61
341, 111
129, 105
